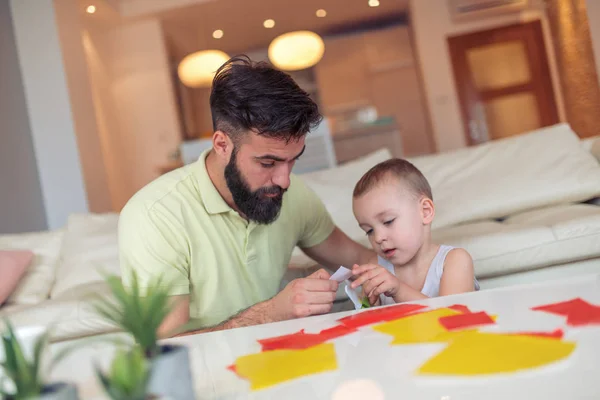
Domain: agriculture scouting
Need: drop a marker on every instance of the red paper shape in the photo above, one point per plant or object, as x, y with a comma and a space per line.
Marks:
301, 340
232, 368
556, 334
382, 314
578, 312
459, 321
460, 308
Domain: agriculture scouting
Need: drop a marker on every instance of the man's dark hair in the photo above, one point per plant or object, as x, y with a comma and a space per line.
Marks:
246, 96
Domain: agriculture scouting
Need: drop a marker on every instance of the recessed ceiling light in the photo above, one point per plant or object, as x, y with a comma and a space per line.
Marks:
218, 34
91, 9
373, 3
321, 13
269, 23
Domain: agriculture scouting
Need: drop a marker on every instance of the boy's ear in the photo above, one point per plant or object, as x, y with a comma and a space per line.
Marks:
427, 210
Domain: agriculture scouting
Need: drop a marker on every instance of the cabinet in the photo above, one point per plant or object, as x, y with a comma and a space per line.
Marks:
377, 68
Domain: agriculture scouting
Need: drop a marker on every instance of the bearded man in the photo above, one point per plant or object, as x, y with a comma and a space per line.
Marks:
221, 231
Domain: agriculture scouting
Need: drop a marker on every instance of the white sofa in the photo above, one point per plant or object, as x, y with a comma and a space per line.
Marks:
517, 205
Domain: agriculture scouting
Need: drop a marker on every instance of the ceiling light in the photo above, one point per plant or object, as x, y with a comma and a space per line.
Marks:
91, 9
373, 3
198, 69
218, 34
293, 51
321, 13
269, 23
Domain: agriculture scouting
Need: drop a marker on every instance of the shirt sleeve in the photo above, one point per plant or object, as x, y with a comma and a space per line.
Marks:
153, 246
317, 224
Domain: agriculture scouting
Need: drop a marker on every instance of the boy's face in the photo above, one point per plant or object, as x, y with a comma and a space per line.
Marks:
394, 219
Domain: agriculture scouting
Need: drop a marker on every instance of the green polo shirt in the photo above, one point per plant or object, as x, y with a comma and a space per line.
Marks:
179, 227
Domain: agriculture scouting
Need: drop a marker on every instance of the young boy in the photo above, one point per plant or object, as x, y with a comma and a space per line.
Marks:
393, 204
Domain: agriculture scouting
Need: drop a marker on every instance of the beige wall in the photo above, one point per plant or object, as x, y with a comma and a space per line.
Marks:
432, 25
593, 10
70, 25
135, 102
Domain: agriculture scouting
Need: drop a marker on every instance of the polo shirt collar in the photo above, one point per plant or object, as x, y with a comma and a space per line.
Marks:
213, 202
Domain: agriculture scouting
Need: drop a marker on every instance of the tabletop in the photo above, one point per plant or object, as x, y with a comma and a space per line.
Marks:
423, 350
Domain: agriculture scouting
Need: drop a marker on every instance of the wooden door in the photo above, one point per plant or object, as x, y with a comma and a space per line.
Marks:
503, 81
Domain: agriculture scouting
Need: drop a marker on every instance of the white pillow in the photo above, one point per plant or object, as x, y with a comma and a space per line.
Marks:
35, 286
542, 168
90, 248
335, 186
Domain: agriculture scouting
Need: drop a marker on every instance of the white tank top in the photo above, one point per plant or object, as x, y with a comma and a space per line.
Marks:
431, 287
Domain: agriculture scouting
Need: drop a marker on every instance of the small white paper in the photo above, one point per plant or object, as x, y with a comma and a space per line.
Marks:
353, 295
341, 274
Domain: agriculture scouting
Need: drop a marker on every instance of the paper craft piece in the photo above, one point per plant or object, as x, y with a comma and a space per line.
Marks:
557, 334
273, 367
489, 353
301, 340
354, 295
460, 321
341, 274
380, 314
578, 312
423, 327
460, 308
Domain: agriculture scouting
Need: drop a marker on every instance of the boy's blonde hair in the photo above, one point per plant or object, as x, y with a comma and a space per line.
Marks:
397, 168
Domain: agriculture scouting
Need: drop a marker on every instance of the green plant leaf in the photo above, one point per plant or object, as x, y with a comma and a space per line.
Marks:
128, 376
24, 373
136, 311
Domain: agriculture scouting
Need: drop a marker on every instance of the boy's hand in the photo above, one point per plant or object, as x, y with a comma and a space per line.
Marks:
375, 280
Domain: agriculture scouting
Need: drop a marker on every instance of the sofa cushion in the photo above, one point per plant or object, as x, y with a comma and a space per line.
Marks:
67, 318
13, 265
595, 148
542, 168
529, 240
35, 286
89, 250
335, 186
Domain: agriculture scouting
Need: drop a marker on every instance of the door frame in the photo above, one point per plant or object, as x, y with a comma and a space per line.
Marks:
459, 44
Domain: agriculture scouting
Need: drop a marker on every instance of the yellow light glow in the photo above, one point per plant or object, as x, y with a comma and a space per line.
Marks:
91, 9
269, 23
373, 3
296, 50
198, 69
321, 13
218, 34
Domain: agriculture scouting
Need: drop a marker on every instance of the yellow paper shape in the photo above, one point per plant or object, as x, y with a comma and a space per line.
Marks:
421, 328
489, 353
272, 367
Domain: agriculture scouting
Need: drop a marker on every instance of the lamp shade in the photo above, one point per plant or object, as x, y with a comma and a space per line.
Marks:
293, 51
198, 69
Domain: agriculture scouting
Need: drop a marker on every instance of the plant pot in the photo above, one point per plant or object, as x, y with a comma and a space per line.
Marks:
59, 391
171, 376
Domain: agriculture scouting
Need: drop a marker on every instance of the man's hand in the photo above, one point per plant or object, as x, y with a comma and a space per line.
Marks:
300, 298
375, 280
312, 295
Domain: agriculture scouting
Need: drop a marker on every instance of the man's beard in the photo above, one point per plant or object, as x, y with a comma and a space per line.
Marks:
254, 205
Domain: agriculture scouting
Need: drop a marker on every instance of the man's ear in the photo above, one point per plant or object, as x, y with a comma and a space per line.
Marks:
427, 210
222, 145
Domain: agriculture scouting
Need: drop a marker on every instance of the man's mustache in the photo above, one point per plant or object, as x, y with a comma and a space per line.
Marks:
276, 190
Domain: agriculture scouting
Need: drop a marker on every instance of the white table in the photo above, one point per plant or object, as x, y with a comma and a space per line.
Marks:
368, 355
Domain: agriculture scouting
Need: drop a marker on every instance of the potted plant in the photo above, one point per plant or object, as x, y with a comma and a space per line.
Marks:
128, 377
140, 313
23, 372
